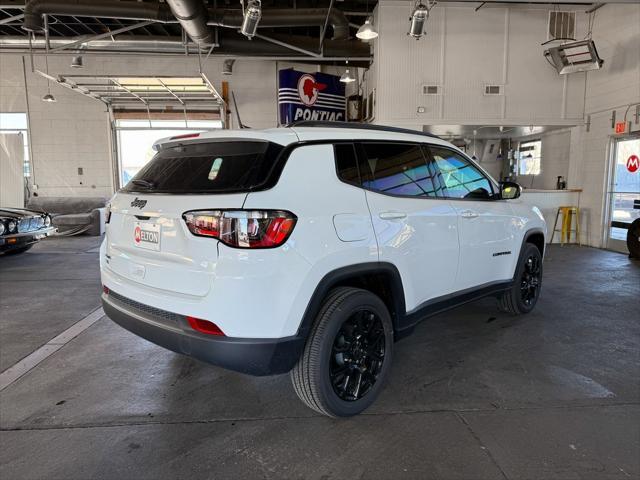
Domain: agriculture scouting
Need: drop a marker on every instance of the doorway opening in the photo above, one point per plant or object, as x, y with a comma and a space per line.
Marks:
623, 197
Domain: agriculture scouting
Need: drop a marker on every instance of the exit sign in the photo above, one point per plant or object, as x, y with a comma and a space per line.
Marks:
621, 127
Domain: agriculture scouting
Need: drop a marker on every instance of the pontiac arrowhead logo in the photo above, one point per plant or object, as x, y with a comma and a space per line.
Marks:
138, 203
308, 89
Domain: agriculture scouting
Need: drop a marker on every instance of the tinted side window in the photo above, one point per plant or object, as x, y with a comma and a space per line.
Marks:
346, 163
397, 169
458, 177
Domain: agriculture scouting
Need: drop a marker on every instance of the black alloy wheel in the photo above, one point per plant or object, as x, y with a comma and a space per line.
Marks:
527, 283
530, 280
357, 355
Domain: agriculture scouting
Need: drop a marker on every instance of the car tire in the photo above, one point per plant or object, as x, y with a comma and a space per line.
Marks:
523, 295
347, 355
633, 239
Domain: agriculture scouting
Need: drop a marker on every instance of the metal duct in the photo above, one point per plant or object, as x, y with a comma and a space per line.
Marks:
193, 17
34, 9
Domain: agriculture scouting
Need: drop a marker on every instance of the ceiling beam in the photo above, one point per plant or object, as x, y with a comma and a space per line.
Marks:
102, 35
12, 19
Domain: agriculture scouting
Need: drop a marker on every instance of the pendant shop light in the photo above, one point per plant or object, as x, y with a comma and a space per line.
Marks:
367, 31
346, 76
48, 97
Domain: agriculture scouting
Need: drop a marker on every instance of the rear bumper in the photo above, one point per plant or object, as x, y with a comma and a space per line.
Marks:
252, 356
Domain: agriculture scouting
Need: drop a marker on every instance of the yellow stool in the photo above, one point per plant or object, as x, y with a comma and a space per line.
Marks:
568, 213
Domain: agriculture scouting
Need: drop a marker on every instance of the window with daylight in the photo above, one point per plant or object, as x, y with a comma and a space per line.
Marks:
530, 158
16, 123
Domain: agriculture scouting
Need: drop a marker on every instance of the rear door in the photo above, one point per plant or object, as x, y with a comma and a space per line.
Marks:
416, 230
147, 239
487, 226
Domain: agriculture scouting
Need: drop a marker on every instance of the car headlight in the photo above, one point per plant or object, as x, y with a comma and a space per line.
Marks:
47, 221
12, 226
2, 228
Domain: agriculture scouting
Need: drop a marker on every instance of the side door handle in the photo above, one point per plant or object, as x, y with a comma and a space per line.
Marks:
392, 215
468, 214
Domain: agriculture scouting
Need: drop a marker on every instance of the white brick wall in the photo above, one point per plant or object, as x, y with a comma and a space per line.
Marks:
617, 37
75, 131
463, 51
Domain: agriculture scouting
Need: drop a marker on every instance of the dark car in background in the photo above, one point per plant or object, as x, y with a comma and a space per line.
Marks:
20, 229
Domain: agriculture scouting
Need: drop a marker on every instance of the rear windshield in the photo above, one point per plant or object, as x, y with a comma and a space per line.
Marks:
214, 167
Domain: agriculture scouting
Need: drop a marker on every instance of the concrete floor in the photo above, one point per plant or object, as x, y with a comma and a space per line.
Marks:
473, 394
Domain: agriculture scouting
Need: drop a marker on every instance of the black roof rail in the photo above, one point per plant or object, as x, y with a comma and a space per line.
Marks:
359, 126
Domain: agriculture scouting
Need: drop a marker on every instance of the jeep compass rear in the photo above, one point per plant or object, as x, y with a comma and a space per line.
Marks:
305, 250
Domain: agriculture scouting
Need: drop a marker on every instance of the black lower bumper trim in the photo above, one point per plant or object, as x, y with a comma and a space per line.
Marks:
251, 356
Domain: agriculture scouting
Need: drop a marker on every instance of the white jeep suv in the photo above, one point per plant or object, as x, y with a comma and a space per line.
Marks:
312, 249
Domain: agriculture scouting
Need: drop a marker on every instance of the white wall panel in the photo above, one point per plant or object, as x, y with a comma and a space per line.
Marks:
463, 51
474, 57
404, 65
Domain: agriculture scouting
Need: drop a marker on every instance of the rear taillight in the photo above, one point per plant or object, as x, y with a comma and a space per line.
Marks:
204, 326
242, 228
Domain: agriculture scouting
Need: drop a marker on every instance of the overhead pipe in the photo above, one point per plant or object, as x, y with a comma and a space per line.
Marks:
192, 15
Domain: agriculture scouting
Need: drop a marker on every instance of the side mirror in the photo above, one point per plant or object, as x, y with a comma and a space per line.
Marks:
510, 190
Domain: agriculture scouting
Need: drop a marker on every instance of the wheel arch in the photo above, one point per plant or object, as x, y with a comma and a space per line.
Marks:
534, 236
381, 278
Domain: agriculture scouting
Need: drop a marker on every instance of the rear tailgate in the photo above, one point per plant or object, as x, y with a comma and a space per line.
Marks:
148, 241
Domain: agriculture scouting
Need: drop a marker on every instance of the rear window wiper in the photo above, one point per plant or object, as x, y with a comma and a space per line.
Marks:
143, 183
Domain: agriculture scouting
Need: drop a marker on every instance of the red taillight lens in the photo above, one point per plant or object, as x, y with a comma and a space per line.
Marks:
242, 228
105, 289
204, 326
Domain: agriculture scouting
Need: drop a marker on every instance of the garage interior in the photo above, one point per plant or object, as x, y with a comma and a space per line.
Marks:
545, 93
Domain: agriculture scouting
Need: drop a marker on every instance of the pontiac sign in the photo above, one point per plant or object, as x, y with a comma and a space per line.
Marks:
305, 96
